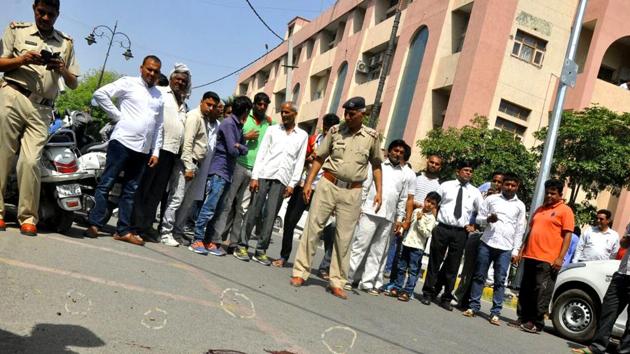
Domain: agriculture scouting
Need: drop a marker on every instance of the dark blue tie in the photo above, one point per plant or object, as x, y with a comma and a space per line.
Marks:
458, 203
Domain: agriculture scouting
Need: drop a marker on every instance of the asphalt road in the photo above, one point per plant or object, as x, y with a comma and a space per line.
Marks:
63, 293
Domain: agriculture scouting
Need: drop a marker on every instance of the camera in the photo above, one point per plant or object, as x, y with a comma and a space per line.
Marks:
47, 56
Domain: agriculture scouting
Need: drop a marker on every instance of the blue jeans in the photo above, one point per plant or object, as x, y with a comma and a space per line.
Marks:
215, 186
409, 262
119, 158
395, 243
501, 259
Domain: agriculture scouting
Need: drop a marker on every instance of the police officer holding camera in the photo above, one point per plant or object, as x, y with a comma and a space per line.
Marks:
33, 57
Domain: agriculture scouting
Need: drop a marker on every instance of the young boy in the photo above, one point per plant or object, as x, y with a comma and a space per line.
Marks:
413, 247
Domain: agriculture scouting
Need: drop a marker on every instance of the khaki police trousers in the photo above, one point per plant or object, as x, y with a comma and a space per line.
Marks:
346, 204
27, 123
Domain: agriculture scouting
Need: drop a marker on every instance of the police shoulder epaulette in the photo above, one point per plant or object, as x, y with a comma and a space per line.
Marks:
14, 24
65, 36
371, 132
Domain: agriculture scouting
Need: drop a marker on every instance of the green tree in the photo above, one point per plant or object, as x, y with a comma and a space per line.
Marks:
79, 99
592, 154
490, 149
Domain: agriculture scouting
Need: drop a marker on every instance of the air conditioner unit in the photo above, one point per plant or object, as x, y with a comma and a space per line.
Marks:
362, 67
379, 57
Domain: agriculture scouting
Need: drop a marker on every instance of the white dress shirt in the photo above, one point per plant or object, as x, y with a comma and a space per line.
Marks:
423, 186
597, 245
139, 120
471, 201
394, 193
281, 156
507, 232
199, 181
174, 119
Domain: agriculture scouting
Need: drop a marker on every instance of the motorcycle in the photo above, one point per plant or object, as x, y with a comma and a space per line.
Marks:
61, 172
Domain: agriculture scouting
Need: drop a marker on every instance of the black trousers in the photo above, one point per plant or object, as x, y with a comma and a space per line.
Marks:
537, 285
151, 191
443, 267
615, 301
295, 209
462, 293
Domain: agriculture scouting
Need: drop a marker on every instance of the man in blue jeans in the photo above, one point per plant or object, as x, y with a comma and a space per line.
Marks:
230, 145
504, 218
137, 132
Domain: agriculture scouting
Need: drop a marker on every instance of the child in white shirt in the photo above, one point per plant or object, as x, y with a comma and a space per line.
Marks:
413, 247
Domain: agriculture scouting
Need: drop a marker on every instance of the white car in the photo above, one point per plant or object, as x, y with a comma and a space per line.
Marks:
577, 299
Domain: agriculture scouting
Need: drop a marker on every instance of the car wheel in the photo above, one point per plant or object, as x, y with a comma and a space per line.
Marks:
575, 315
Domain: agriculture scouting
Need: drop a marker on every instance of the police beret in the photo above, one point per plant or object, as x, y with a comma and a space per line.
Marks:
355, 103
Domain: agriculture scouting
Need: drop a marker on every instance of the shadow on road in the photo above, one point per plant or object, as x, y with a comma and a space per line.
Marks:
49, 338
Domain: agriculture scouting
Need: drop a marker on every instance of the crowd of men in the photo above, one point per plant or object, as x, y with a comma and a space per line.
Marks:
221, 170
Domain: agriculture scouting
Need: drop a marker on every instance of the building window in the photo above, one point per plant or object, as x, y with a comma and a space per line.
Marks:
336, 96
509, 126
385, 9
529, 48
514, 110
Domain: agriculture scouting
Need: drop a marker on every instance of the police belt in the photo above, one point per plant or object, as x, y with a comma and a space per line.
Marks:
30, 95
341, 184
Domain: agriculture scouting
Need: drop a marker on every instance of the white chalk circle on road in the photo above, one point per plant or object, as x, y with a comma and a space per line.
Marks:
77, 303
339, 339
155, 319
236, 304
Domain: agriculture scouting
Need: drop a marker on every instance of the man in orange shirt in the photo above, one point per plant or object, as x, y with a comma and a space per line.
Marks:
547, 243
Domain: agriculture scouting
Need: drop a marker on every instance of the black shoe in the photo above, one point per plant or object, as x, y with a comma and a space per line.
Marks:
446, 304
425, 299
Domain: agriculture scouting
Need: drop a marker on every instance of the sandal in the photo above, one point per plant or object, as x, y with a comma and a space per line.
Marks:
585, 350
403, 297
278, 263
393, 292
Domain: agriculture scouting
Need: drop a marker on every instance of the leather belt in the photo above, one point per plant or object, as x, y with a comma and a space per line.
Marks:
341, 184
30, 95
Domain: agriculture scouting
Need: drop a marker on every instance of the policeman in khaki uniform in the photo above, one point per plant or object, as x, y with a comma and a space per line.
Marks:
33, 57
344, 155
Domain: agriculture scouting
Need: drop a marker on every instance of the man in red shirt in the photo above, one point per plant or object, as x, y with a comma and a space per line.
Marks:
543, 254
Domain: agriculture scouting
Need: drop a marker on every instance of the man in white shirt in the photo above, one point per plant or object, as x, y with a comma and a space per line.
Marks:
199, 140
599, 242
504, 218
277, 170
460, 199
155, 180
137, 133
425, 182
372, 233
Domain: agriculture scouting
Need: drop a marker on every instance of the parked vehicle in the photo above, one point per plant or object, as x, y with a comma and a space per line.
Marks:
577, 299
60, 193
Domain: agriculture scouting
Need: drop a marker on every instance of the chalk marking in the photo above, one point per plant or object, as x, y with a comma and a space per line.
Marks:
151, 315
340, 328
231, 308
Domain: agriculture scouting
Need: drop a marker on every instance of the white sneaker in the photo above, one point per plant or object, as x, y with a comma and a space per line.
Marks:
169, 240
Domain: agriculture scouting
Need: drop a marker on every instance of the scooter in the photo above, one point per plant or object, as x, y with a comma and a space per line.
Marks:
60, 172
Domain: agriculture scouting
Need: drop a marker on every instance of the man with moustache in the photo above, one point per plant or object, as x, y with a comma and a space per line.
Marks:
460, 199
28, 90
345, 155
276, 172
134, 144
200, 132
155, 180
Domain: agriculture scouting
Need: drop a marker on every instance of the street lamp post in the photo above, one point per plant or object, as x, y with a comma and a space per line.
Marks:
99, 31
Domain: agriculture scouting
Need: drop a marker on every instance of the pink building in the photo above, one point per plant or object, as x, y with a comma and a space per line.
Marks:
453, 59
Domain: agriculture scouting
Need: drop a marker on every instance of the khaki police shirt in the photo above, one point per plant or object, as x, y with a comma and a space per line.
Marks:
347, 155
22, 37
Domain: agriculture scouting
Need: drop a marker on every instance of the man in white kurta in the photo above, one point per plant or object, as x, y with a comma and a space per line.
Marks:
372, 233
